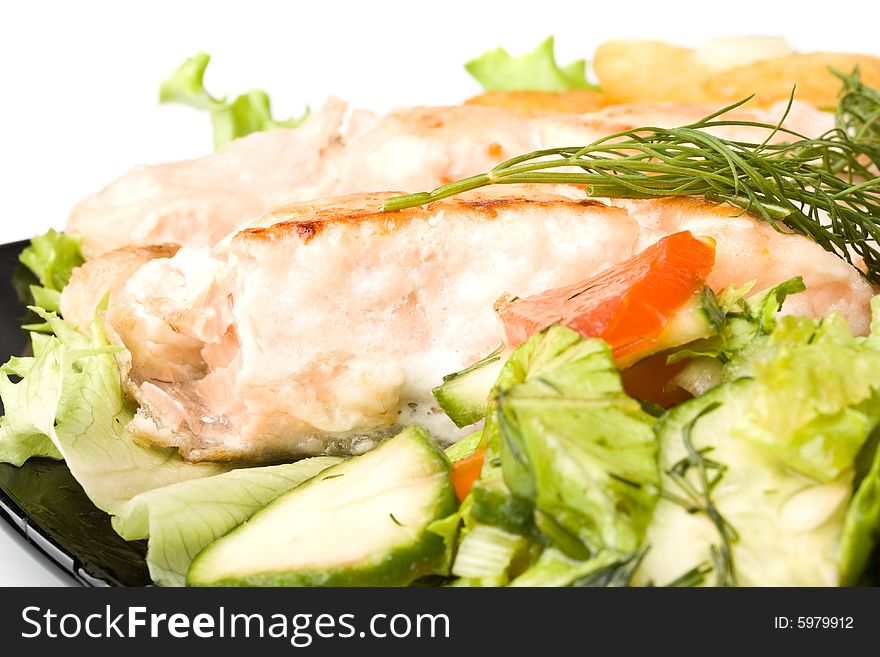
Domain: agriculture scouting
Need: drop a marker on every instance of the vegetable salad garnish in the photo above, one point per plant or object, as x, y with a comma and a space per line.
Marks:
639, 427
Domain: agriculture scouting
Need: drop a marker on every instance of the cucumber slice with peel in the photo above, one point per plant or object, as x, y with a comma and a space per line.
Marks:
464, 395
360, 523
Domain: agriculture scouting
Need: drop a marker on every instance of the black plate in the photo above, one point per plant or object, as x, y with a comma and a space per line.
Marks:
41, 499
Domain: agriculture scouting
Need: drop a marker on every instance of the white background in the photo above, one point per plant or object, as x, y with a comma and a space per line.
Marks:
79, 80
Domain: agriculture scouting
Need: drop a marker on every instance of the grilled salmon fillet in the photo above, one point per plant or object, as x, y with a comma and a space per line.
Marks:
322, 326
198, 202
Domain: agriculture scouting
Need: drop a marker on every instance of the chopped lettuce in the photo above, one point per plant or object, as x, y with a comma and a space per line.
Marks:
69, 403
576, 445
492, 503
814, 403
570, 472
782, 527
786, 433
249, 112
486, 554
182, 519
553, 568
497, 70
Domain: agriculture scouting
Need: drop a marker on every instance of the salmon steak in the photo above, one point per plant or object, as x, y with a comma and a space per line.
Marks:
337, 151
322, 326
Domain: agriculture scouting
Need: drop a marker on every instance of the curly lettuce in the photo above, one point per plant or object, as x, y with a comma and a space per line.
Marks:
249, 112
815, 400
792, 420
498, 70
51, 257
576, 445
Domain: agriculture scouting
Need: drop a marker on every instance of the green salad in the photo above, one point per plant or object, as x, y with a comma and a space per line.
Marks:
765, 471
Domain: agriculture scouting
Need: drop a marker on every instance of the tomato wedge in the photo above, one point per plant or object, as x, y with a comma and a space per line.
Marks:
626, 305
465, 472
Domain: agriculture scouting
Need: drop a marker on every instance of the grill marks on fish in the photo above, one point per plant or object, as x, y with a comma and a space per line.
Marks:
482, 209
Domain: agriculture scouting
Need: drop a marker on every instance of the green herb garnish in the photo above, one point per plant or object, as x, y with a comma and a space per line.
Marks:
825, 188
696, 497
618, 573
693, 577
858, 110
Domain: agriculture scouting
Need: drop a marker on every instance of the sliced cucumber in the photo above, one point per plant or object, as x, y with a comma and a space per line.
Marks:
360, 523
697, 319
464, 395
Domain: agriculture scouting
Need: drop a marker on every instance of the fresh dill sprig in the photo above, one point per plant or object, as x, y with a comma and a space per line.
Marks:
696, 497
825, 187
618, 573
693, 577
858, 110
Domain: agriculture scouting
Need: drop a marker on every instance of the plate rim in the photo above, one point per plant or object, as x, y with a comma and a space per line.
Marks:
39, 543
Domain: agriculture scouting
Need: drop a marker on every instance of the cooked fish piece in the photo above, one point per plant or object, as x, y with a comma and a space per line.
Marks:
198, 202
105, 276
322, 326
752, 250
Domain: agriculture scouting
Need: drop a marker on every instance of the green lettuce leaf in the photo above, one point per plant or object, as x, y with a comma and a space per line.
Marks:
21, 436
249, 112
576, 445
815, 400
787, 434
785, 526
464, 447
570, 477
861, 529
69, 403
182, 519
51, 257
497, 70
485, 554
